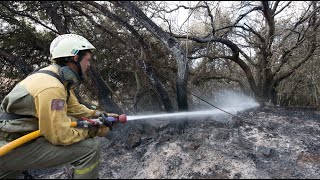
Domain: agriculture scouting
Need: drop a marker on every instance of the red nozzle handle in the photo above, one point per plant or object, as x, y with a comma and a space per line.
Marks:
123, 118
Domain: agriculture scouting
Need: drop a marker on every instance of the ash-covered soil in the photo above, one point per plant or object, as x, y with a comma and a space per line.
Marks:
271, 143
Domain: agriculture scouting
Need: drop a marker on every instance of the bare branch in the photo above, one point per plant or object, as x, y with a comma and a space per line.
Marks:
210, 57
211, 17
300, 21
263, 40
274, 8
235, 50
245, 14
285, 75
248, 58
206, 78
169, 23
268, 14
52, 11
200, 78
249, 29
182, 6
309, 53
275, 13
97, 24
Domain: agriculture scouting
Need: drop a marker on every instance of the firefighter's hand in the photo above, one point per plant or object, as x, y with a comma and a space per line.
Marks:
110, 114
101, 131
105, 114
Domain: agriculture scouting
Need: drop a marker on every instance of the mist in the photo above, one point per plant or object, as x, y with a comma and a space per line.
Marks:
228, 101
234, 100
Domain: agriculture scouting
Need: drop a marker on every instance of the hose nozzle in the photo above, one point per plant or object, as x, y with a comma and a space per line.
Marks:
123, 118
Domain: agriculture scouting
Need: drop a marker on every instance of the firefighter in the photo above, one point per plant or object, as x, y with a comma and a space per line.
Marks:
45, 100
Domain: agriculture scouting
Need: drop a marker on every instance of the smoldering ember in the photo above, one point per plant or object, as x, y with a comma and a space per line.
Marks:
159, 89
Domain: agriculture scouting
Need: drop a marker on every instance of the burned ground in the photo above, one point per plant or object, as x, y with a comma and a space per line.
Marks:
269, 143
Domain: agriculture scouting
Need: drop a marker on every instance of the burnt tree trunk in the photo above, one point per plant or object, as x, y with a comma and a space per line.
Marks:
144, 59
51, 8
156, 82
103, 92
172, 45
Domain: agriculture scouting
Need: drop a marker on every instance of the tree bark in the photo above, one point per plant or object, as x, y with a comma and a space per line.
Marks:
52, 10
156, 82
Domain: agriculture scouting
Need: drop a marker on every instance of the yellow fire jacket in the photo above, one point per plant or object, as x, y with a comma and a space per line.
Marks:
45, 97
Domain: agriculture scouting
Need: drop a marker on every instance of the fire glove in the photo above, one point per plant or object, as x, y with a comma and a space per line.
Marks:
101, 131
102, 113
105, 115
110, 114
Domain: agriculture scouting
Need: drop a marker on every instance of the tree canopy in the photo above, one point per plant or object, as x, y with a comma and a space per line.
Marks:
148, 57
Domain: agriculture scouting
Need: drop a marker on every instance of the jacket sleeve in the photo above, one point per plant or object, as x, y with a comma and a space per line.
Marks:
54, 124
77, 110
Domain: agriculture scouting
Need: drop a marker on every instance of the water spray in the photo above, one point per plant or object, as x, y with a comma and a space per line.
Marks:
196, 114
247, 105
172, 116
214, 105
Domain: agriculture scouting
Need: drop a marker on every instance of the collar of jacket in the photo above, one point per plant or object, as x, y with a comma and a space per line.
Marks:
69, 77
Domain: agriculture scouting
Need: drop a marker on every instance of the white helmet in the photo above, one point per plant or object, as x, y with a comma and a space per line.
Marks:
67, 45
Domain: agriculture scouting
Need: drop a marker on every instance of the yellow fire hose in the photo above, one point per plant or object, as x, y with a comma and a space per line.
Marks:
26, 138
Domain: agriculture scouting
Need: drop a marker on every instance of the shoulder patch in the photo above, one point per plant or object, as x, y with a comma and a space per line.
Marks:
57, 104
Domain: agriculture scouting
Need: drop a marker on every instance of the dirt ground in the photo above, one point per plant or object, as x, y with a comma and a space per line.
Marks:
268, 143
